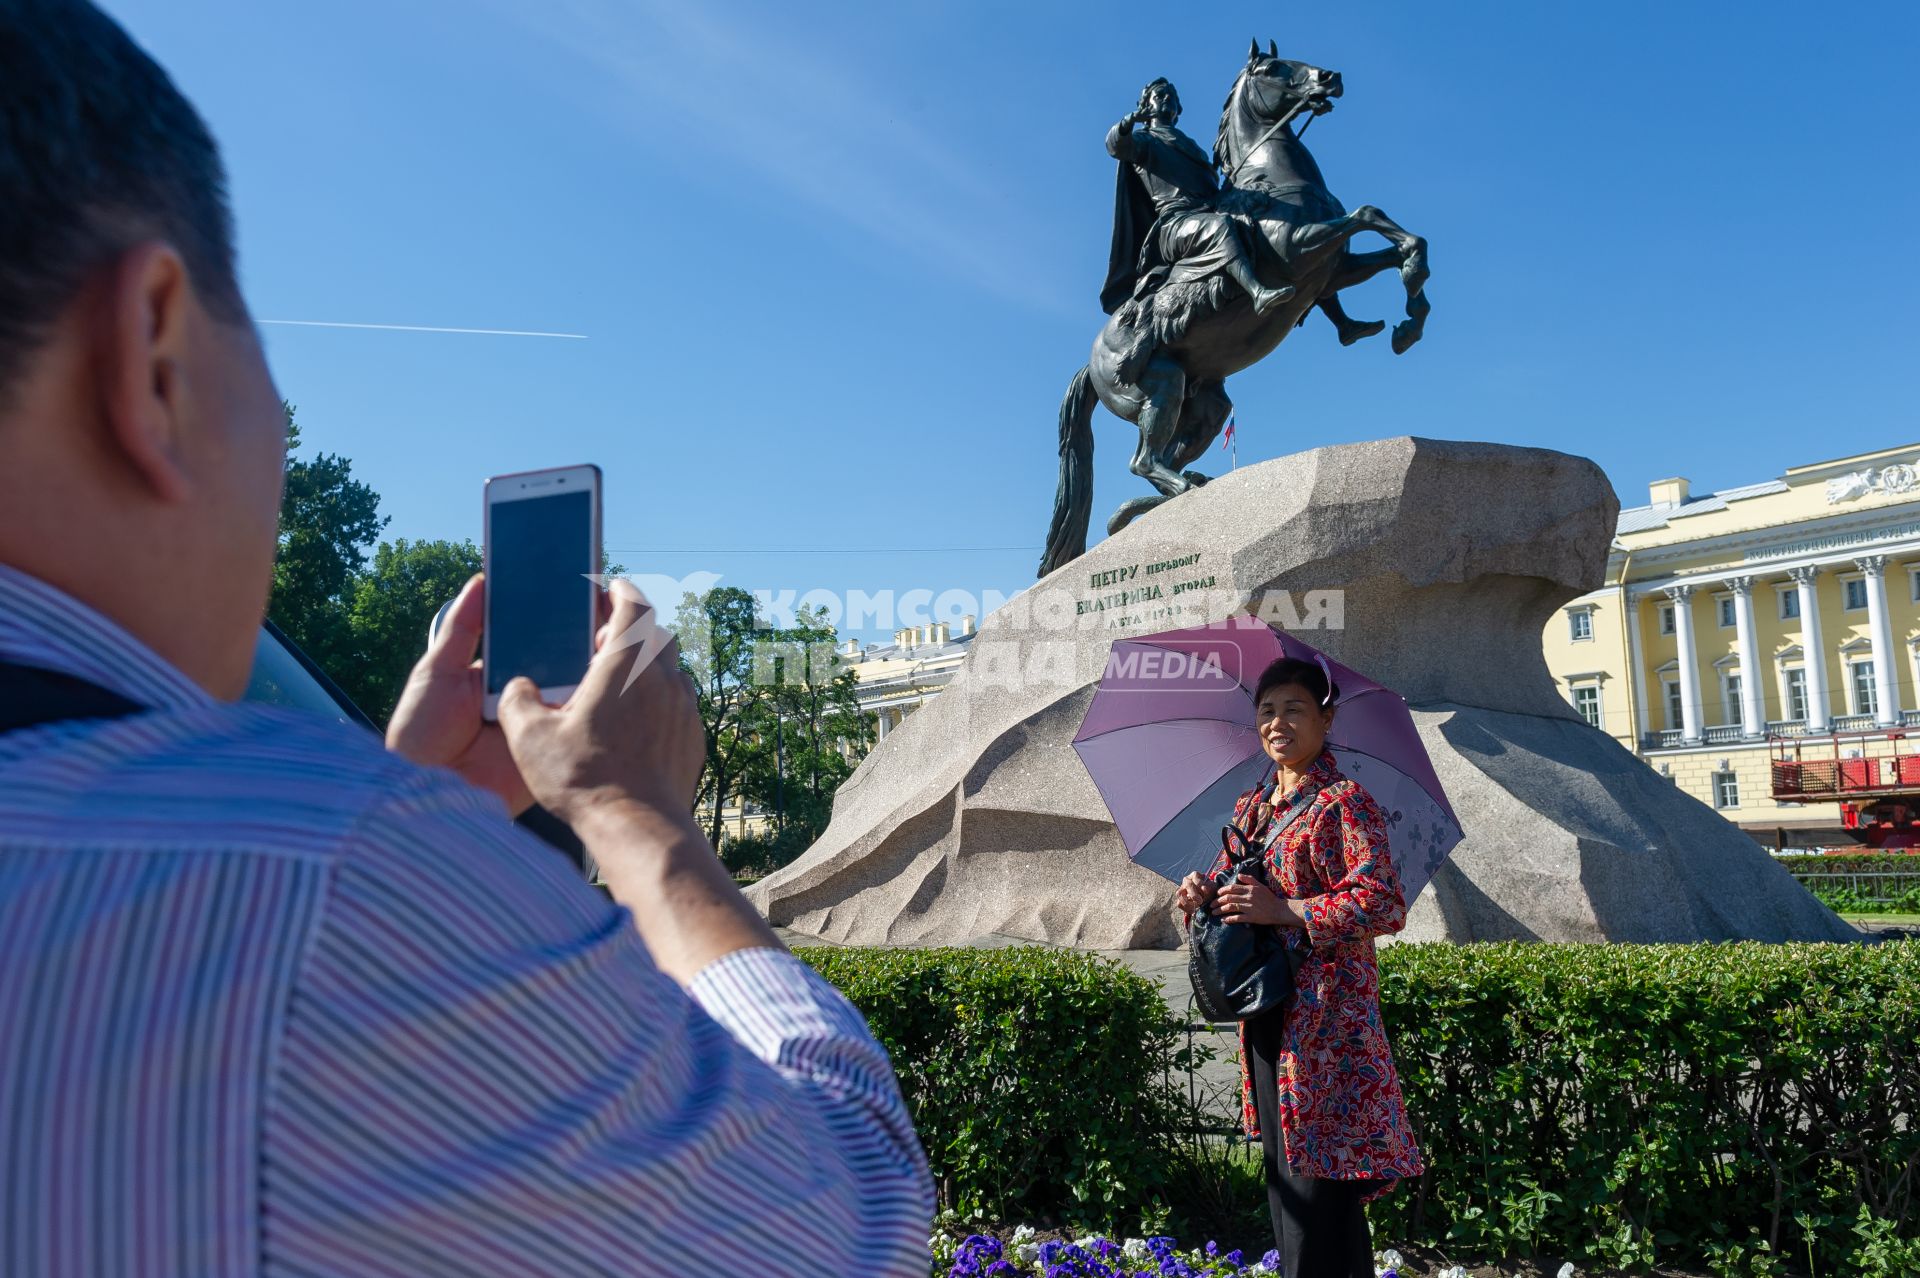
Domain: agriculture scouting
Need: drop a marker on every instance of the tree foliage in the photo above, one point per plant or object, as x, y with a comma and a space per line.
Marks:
328, 522
394, 602
809, 723
717, 632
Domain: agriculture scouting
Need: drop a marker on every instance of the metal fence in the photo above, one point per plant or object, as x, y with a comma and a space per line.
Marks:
1887, 886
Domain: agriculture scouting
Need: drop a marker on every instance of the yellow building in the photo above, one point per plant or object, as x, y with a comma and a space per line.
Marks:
898, 678
1783, 611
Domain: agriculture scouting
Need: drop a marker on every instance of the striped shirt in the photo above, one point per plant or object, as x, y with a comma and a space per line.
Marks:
274, 1001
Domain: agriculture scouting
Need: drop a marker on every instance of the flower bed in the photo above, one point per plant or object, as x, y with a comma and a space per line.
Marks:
1024, 1254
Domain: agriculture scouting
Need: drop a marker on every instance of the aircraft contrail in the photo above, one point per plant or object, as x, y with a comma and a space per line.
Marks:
424, 328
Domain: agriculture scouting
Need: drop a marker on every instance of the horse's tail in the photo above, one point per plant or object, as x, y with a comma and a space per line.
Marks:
1073, 499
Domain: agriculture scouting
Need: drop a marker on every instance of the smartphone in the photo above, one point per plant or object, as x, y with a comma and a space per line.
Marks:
542, 548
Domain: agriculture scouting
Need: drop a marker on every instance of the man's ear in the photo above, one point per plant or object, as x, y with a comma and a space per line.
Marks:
143, 335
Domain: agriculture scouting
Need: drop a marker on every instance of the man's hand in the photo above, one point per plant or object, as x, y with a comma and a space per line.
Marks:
1250, 902
618, 740
438, 724
1196, 890
620, 763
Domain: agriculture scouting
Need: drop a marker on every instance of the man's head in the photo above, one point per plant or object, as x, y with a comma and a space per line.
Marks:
1159, 101
141, 437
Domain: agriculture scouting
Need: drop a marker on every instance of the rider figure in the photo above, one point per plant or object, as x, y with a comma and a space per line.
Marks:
1188, 233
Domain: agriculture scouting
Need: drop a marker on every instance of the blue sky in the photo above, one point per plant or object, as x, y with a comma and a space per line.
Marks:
836, 264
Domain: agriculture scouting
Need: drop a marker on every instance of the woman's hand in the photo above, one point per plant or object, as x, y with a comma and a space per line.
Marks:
1196, 890
1249, 902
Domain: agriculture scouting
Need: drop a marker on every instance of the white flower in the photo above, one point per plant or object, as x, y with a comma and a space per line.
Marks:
1135, 1248
1458, 1271
1024, 1234
1391, 1259
1566, 1271
1086, 1242
1029, 1252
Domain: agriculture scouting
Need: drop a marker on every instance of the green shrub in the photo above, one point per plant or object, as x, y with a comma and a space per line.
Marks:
760, 854
1622, 1103
1738, 1106
1040, 1080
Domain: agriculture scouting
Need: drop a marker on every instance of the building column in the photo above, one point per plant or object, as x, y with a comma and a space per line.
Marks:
1641, 723
1682, 597
881, 717
1753, 714
1884, 682
1814, 647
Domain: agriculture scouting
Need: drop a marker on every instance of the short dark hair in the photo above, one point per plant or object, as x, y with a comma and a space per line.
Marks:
1307, 674
98, 151
1161, 83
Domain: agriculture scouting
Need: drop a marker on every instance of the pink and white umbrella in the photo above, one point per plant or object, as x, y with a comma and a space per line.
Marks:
1170, 742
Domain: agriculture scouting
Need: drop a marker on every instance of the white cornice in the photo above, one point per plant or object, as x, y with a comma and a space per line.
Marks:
1781, 541
1842, 558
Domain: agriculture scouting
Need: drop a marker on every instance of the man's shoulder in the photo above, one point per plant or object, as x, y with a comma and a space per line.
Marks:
253, 776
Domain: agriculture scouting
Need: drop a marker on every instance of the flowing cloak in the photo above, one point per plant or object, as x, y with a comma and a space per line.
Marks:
1163, 162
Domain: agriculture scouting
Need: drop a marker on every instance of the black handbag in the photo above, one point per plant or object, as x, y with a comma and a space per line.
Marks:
1240, 970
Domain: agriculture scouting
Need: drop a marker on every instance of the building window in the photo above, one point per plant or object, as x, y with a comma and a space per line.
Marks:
1724, 603
1913, 585
1726, 790
1666, 619
1581, 623
1675, 715
1855, 593
1731, 683
1789, 604
1797, 693
1586, 699
1865, 697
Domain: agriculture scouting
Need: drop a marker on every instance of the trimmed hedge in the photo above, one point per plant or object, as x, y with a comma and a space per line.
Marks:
1039, 1080
1616, 1102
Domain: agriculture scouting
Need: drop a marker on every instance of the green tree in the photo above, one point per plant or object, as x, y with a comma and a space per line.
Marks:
394, 601
717, 632
810, 729
328, 522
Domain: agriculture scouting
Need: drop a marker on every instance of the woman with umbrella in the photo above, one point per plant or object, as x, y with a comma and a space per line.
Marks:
1319, 1088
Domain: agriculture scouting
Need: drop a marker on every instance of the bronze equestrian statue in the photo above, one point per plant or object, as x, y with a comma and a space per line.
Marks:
1208, 274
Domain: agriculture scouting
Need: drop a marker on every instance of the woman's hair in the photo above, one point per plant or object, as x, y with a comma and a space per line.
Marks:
1311, 675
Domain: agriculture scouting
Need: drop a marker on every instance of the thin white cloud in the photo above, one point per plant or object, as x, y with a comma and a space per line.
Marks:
779, 113
423, 328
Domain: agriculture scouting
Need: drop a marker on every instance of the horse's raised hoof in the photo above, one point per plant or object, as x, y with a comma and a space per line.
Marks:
1405, 334
1361, 330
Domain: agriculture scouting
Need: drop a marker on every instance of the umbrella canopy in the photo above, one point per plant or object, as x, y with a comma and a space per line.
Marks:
1170, 742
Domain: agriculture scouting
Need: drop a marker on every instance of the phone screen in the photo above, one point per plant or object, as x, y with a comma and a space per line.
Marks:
539, 593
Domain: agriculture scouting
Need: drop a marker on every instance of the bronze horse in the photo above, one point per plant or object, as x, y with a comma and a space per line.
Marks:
1162, 360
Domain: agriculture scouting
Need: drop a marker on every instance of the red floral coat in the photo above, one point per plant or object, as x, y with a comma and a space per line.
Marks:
1341, 1112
